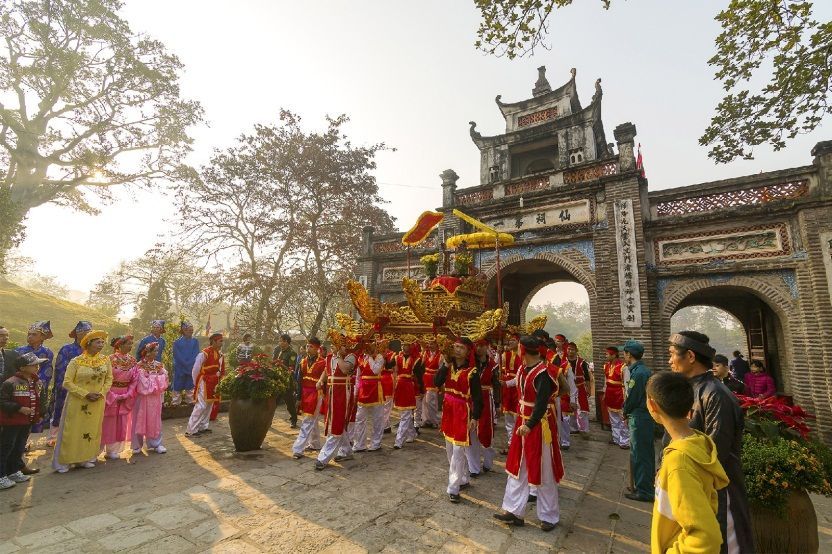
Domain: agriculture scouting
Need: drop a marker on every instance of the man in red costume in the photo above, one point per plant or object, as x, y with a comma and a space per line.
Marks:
584, 383
481, 453
430, 409
461, 411
370, 400
408, 368
338, 386
510, 365
534, 458
312, 366
615, 377
209, 367
568, 403
388, 387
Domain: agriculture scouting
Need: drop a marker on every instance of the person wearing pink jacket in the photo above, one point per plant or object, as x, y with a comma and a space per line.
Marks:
147, 414
120, 398
758, 383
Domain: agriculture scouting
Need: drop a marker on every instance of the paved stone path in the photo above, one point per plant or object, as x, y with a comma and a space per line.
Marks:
203, 497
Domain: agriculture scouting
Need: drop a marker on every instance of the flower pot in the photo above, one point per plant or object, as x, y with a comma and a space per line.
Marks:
795, 532
250, 420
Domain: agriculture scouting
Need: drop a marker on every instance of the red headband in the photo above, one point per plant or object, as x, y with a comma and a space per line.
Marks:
482, 342
560, 338
612, 350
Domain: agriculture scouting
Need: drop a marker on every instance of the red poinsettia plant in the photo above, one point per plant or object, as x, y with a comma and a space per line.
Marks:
774, 417
257, 379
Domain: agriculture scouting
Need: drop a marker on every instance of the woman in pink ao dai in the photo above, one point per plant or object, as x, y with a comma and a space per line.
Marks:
120, 398
147, 414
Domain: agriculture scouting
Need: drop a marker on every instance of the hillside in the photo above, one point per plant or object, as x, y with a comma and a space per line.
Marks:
20, 307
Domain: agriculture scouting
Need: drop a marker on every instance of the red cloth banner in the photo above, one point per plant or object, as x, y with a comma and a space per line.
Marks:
426, 223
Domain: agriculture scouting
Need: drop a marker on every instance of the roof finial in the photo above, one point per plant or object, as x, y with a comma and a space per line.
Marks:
542, 85
574, 72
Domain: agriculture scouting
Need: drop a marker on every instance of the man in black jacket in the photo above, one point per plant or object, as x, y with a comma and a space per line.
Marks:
7, 356
717, 413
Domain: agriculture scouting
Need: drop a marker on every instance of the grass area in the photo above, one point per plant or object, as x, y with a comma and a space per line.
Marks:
20, 307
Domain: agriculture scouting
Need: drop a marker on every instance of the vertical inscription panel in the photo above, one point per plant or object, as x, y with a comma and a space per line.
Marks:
826, 249
625, 241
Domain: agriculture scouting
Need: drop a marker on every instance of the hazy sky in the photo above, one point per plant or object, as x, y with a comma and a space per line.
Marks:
408, 75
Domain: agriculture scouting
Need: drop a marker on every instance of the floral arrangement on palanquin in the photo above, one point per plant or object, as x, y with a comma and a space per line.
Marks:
779, 454
462, 263
258, 379
431, 264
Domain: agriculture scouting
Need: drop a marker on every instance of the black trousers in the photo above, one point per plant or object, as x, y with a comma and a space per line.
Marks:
12, 444
291, 401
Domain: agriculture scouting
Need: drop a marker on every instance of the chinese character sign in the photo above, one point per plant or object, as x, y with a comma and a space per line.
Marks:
625, 241
570, 213
826, 248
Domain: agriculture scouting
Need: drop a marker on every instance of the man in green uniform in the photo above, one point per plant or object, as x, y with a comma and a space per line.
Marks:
286, 357
642, 454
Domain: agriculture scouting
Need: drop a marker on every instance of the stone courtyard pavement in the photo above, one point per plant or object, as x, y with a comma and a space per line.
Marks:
203, 497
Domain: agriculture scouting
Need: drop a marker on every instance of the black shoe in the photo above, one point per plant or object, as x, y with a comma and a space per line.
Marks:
564, 447
532, 498
297, 456
206, 431
474, 475
511, 519
397, 447
464, 486
624, 447
486, 469
343, 458
610, 441
359, 451
293, 425
637, 497
546, 526
455, 498
388, 431
319, 465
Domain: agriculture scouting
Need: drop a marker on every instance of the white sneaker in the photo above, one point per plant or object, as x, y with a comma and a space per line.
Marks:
113, 456
6, 483
62, 469
137, 451
161, 449
19, 477
88, 465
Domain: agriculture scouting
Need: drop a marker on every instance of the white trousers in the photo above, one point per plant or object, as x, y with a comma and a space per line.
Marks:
346, 449
620, 430
478, 456
430, 411
580, 422
510, 421
388, 409
376, 415
517, 491
563, 424
335, 445
139, 440
417, 416
201, 412
113, 450
406, 431
176, 397
310, 432
457, 466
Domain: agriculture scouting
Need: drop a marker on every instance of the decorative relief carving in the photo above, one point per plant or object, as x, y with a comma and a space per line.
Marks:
396, 274
733, 244
590, 173
393, 246
537, 117
529, 185
475, 197
745, 197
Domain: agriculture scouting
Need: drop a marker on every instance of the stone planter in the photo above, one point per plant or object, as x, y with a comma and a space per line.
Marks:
250, 420
795, 532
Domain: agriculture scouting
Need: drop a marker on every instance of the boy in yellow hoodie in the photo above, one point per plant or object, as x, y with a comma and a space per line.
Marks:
684, 512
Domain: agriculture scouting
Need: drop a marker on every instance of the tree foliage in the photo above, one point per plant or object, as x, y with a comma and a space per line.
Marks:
777, 40
570, 318
86, 104
724, 330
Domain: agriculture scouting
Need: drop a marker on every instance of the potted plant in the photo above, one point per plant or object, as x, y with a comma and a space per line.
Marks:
462, 263
782, 464
431, 264
253, 389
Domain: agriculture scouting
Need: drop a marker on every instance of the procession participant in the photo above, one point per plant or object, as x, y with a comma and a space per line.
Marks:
58, 396
39, 332
312, 367
7, 356
147, 414
370, 399
534, 458
185, 351
387, 387
722, 373
419, 379
245, 350
584, 386
336, 382
286, 358
120, 399
642, 453
480, 453
716, 412
461, 410
404, 396
157, 329
430, 410
88, 379
615, 376
568, 401
22, 401
509, 366
208, 369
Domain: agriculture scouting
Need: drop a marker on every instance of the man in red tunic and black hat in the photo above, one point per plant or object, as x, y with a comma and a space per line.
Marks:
461, 411
481, 451
336, 381
534, 457
209, 368
509, 366
615, 377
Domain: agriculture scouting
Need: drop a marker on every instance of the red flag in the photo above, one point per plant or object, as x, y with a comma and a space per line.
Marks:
426, 223
640, 163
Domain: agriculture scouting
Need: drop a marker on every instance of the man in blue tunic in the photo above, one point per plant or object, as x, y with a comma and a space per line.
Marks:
65, 355
185, 350
157, 327
39, 332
